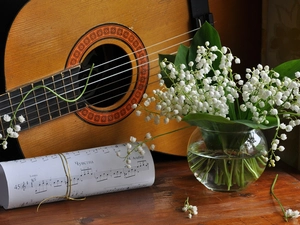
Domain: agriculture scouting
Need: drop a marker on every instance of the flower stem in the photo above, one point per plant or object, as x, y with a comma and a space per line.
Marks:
278, 201
231, 172
151, 139
250, 164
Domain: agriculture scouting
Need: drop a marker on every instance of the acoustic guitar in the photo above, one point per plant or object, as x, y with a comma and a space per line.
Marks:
54, 43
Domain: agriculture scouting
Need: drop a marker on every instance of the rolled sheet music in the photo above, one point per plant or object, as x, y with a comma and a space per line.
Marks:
71, 175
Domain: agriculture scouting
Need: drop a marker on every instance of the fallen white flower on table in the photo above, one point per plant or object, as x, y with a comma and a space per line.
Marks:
191, 209
289, 213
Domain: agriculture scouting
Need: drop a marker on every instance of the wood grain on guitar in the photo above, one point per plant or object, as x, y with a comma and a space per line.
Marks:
47, 37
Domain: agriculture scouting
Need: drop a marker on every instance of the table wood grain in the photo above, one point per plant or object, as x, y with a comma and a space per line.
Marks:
162, 202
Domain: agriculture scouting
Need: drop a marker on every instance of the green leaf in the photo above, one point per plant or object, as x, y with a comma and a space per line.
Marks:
211, 121
186, 54
288, 68
252, 124
196, 118
206, 33
181, 56
170, 58
176, 59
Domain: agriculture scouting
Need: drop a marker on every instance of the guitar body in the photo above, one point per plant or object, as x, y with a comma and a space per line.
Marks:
42, 41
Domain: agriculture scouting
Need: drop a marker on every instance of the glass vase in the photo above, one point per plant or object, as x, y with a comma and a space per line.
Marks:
227, 158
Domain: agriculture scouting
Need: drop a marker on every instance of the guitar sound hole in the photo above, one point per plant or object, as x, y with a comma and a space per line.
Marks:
111, 80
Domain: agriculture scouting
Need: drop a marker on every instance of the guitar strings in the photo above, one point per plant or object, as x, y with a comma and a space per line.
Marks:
112, 68
102, 72
28, 114
67, 106
29, 118
115, 59
120, 65
59, 109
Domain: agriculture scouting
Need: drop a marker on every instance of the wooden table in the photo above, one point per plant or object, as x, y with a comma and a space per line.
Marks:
162, 202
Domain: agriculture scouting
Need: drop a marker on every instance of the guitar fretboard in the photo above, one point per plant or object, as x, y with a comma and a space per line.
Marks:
41, 105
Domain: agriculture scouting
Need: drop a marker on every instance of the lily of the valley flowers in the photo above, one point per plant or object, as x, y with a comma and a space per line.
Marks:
199, 84
13, 130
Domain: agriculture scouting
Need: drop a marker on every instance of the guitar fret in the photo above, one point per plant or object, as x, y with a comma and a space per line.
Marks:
10, 103
26, 124
4, 109
16, 98
5, 105
35, 104
41, 103
69, 90
51, 99
31, 109
63, 81
58, 84
47, 102
47, 98
2, 131
76, 91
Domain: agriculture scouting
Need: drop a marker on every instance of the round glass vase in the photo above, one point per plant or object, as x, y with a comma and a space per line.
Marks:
227, 157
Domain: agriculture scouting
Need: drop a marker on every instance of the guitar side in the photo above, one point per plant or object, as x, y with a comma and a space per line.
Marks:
39, 44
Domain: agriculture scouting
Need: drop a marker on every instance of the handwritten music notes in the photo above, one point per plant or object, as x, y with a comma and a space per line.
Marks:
88, 172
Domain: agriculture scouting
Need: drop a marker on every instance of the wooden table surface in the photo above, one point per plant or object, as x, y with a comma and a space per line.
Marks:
162, 203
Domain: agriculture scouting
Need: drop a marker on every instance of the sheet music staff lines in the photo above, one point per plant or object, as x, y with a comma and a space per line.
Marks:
91, 171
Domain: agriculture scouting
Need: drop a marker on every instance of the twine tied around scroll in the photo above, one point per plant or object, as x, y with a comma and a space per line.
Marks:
69, 184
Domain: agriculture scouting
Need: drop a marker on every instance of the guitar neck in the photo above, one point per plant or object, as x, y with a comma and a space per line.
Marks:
39, 105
